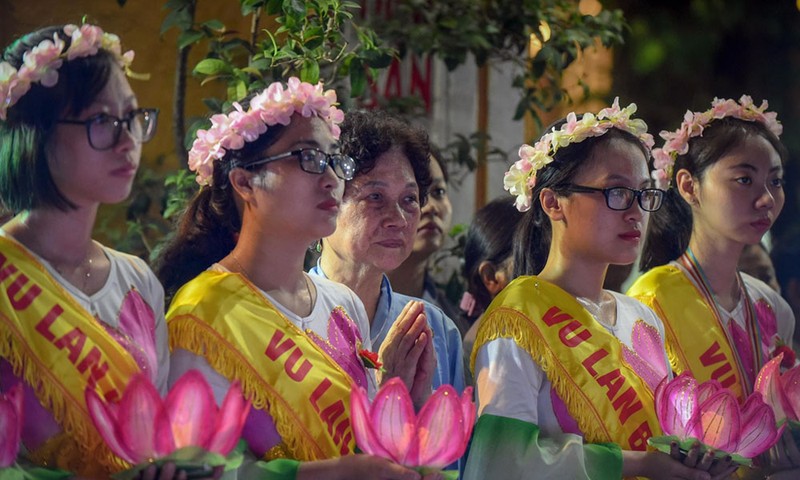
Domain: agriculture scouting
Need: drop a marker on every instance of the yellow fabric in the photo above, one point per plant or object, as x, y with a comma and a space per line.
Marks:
225, 319
584, 362
59, 349
695, 336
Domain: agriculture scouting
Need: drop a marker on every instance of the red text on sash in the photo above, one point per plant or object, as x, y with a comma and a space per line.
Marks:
73, 341
724, 374
331, 410
623, 397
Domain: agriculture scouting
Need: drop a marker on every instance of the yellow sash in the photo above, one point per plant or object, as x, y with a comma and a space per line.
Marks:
695, 335
59, 349
225, 319
609, 401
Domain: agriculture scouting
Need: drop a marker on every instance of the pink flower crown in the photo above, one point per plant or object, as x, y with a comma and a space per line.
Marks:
677, 142
520, 179
272, 106
41, 63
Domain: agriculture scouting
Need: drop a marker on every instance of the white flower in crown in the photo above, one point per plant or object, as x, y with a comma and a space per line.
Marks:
274, 105
41, 63
520, 179
694, 123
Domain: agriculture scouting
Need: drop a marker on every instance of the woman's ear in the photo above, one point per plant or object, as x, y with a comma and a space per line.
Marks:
551, 204
242, 183
491, 277
686, 185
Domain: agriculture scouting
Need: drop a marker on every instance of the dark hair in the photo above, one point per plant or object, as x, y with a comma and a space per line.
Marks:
670, 227
436, 154
25, 179
533, 235
368, 134
489, 238
207, 230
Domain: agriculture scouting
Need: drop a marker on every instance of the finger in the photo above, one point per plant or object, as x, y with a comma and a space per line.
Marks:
411, 338
675, 451
393, 471
218, 471
706, 461
417, 351
692, 456
167, 471
149, 473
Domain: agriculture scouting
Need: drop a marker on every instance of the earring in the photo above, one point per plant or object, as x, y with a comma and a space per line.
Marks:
315, 247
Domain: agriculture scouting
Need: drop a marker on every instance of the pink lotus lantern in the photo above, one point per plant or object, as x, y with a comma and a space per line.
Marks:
143, 427
709, 413
430, 441
781, 392
10, 425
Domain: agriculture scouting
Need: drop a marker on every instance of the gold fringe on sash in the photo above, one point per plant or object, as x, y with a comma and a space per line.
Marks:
506, 322
90, 450
194, 335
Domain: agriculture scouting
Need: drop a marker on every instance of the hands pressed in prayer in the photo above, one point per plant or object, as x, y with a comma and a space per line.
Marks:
407, 352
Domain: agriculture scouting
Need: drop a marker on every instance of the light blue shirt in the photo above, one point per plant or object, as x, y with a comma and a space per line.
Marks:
446, 337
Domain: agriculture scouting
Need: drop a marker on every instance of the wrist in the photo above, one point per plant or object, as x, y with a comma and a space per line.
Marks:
634, 463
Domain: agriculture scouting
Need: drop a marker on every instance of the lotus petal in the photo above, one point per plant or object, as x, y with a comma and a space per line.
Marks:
676, 404
769, 385
191, 409
708, 388
467, 412
393, 418
11, 425
720, 421
104, 417
758, 428
439, 432
366, 437
790, 382
230, 421
136, 418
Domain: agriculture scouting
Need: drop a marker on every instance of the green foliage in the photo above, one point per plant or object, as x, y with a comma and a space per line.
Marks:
500, 30
310, 40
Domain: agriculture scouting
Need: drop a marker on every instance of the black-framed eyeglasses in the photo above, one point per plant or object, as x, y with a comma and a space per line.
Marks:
314, 160
104, 130
621, 198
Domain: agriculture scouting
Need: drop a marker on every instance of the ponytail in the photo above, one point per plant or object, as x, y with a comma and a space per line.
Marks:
668, 231
205, 234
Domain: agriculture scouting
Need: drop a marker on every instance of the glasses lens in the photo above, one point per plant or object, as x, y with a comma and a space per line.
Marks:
313, 160
103, 131
344, 166
651, 199
619, 198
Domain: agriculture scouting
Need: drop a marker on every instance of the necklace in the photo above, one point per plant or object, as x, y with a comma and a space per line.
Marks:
306, 281
84, 277
689, 261
599, 310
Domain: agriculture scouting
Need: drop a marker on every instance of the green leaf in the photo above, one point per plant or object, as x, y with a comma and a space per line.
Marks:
663, 444
214, 25
189, 37
310, 71
241, 89
358, 78
181, 19
212, 66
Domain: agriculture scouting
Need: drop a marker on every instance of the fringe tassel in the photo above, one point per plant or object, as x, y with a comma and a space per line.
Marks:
89, 451
509, 323
196, 336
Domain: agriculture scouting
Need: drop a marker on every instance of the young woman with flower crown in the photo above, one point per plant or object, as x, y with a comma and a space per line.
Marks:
724, 172
564, 370
272, 184
73, 313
